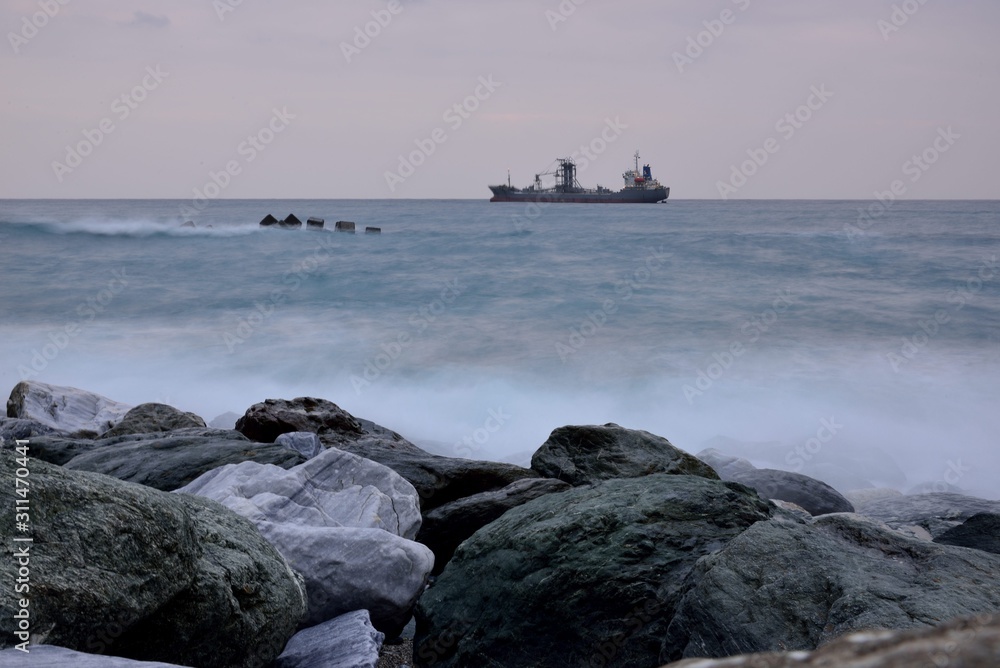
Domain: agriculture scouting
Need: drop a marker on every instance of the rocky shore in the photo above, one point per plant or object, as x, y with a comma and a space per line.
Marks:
307, 537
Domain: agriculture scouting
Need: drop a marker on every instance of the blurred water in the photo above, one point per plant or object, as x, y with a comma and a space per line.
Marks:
750, 321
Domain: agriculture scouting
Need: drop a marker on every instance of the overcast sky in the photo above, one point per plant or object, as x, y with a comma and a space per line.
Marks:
201, 77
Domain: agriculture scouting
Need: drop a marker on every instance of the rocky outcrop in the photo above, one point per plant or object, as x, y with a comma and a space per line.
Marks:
815, 496
445, 527
971, 642
172, 460
152, 418
66, 410
787, 586
437, 479
935, 513
344, 522
979, 532
122, 569
581, 455
349, 641
567, 577
305, 443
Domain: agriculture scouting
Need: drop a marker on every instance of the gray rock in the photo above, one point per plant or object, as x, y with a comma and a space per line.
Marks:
979, 532
12, 429
151, 418
723, 463
437, 479
970, 642
814, 495
305, 443
581, 455
936, 513
589, 574
349, 641
66, 410
50, 656
342, 521
445, 527
171, 460
123, 569
787, 586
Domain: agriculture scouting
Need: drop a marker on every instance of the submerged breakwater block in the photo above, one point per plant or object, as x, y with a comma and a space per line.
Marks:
373, 230
268, 221
345, 226
291, 222
315, 223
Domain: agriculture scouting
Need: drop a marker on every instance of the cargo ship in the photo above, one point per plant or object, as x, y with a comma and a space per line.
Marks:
640, 188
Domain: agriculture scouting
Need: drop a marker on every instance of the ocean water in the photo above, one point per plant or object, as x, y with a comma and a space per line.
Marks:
846, 340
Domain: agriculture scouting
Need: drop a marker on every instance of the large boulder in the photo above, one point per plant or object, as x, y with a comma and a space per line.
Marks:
50, 656
935, 513
437, 479
970, 642
172, 460
581, 455
344, 522
126, 570
979, 532
150, 418
815, 496
788, 586
66, 410
445, 527
349, 641
568, 577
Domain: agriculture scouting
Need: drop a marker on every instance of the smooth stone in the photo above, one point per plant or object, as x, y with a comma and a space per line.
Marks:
127, 570
66, 410
347, 641
979, 532
169, 460
305, 443
586, 574
444, 528
584, 454
782, 585
815, 496
149, 418
936, 513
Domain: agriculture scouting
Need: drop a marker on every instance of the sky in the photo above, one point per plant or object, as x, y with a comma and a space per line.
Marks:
761, 99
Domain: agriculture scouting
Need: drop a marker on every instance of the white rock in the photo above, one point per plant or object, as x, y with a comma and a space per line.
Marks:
67, 410
305, 443
349, 641
50, 656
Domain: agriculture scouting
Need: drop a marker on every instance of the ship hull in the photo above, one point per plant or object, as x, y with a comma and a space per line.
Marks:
628, 196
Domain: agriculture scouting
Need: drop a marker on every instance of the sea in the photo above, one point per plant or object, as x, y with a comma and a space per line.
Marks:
858, 342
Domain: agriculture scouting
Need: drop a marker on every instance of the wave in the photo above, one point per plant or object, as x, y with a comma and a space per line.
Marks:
137, 228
